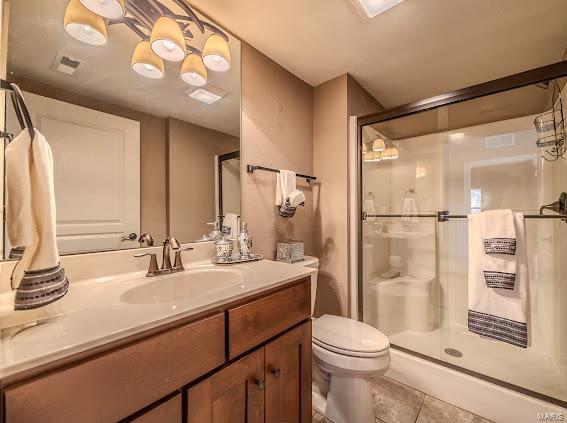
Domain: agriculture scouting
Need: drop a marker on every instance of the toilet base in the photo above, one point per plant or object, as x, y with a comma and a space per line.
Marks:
349, 400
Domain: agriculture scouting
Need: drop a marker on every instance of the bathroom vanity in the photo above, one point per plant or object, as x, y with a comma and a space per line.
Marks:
246, 357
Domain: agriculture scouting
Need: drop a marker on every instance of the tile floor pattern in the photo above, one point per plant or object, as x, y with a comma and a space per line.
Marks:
398, 403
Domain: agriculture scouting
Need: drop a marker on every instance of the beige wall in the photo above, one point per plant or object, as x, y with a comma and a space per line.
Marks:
334, 102
277, 132
152, 151
191, 156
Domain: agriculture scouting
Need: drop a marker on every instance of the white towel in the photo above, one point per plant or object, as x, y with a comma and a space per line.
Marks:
285, 185
499, 261
370, 209
495, 312
31, 221
296, 198
409, 210
231, 221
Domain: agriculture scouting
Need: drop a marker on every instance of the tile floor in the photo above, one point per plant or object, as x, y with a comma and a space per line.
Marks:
398, 403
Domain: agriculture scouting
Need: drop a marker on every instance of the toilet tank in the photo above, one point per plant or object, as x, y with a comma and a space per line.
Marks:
312, 262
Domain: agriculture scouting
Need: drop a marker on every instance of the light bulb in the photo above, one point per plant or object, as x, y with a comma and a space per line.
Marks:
169, 45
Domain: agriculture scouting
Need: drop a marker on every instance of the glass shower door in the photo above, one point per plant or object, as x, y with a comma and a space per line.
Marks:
465, 158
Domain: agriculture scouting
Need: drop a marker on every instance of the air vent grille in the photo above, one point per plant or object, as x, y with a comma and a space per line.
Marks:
66, 64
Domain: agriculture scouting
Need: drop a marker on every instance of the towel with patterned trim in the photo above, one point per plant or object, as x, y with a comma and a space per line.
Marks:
498, 307
30, 211
499, 245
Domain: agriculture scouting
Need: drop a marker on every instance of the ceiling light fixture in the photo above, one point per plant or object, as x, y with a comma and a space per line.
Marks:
111, 9
216, 54
372, 157
372, 8
193, 70
378, 145
167, 40
84, 25
165, 35
146, 62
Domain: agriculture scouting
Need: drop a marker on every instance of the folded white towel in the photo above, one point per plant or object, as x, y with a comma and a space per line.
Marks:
231, 220
499, 232
296, 198
285, 185
493, 312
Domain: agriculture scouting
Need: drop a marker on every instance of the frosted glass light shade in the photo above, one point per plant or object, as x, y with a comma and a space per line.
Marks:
193, 71
378, 145
83, 25
111, 9
372, 156
167, 40
390, 153
216, 54
146, 62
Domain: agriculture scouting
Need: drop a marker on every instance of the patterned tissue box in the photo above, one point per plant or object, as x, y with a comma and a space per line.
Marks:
290, 251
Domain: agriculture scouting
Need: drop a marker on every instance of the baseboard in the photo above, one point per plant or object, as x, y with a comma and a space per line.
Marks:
480, 397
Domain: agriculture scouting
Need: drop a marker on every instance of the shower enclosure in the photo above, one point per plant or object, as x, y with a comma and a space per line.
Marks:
423, 168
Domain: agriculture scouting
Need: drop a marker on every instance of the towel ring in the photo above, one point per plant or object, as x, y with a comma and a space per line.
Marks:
22, 111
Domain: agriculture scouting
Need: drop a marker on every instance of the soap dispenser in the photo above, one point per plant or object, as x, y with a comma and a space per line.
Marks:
216, 233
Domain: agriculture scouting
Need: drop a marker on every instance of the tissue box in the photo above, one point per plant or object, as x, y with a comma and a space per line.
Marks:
290, 251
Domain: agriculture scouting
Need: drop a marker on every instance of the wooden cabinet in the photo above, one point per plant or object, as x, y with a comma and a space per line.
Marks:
114, 385
288, 376
247, 361
166, 411
271, 384
234, 394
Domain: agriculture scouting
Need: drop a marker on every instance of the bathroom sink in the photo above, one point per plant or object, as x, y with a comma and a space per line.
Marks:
195, 282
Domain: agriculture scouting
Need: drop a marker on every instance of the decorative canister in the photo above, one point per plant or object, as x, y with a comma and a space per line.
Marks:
244, 241
223, 249
290, 251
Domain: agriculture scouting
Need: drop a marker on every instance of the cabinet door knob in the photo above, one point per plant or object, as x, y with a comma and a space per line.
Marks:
276, 372
260, 384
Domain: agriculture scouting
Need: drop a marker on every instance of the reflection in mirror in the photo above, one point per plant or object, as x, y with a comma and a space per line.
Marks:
140, 111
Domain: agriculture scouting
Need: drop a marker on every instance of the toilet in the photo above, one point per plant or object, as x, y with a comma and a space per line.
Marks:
347, 354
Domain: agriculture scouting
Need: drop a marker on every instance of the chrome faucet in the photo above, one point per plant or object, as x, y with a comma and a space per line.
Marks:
170, 244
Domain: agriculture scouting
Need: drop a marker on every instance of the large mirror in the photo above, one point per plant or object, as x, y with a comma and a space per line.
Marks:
140, 103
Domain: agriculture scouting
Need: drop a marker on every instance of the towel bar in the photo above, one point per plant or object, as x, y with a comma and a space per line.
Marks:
444, 216
251, 168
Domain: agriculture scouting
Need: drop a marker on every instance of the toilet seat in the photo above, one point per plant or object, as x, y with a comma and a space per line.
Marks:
349, 337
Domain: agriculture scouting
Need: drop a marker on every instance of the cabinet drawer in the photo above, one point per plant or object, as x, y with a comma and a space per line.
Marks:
168, 411
253, 323
118, 383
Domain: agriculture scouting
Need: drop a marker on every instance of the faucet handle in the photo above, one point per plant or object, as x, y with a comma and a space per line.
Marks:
178, 263
153, 269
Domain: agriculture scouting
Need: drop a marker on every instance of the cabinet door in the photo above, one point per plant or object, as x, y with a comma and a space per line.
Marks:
288, 377
235, 394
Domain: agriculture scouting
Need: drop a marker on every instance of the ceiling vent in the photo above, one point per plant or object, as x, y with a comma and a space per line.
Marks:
499, 141
66, 64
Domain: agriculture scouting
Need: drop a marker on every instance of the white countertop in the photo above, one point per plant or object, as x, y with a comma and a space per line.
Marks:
98, 311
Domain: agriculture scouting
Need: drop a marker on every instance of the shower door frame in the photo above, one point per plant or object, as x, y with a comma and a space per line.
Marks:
519, 80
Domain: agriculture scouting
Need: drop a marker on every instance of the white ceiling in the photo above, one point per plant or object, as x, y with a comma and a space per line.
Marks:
415, 50
36, 35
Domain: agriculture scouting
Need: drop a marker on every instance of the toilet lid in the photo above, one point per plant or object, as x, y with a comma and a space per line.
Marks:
349, 336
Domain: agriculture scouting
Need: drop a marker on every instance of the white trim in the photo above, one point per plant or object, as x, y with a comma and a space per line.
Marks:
354, 215
483, 398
